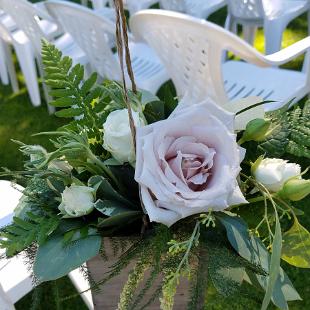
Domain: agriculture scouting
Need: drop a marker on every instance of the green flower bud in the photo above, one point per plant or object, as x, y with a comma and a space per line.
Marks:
255, 130
295, 189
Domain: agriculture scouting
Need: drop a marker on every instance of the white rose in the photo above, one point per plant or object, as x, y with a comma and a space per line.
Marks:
117, 135
273, 173
77, 201
189, 163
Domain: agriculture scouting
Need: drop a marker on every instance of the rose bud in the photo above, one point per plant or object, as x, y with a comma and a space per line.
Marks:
255, 130
274, 172
295, 189
117, 135
77, 201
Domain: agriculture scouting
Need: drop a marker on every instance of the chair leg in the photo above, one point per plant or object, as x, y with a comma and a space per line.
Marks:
273, 36
5, 303
249, 33
27, 63
3, 67
11, 68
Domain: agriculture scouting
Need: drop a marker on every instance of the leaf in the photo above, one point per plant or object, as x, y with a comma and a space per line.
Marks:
106, 191
275, 260
89, 83
55, 260
71, 112
110, 208
112, 162
253, 250
296, 246
119, 219
225, 269
63, 102
154, 111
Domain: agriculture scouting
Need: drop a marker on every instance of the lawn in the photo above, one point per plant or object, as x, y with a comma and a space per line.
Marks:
19, 120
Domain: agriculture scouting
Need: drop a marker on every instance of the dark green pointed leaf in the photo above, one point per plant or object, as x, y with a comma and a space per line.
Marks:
107, 192
63, 102
71, 112
89, 83
119, 219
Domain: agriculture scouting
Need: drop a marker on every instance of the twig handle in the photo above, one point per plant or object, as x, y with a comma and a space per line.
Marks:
122, 43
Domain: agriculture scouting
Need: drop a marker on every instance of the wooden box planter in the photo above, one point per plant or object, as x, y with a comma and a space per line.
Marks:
107, 298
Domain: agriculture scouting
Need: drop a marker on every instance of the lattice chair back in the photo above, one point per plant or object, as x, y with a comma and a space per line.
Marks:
26, 17
246, 9
91, 32
191, 50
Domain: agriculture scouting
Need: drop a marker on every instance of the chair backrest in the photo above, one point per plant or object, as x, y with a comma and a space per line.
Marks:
191, 49
91, 32
26, 18
246, 9
173, 5
99, 4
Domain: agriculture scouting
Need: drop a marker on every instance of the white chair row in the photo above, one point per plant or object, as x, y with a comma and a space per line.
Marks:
272, 15
15, 278
191, 50
89, 32
148, 71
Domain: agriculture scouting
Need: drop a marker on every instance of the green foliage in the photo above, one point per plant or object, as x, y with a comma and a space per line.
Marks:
291, 133
253, 250
296, 246
23, 233
179, 251
64, 257
199, 279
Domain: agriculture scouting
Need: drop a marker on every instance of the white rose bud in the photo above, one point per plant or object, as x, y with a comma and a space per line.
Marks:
273, 173
117, 135
77, 201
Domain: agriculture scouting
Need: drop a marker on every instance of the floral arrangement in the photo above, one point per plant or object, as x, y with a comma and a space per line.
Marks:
199, 191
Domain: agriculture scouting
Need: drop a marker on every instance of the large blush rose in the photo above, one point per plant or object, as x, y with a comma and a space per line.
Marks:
189, 163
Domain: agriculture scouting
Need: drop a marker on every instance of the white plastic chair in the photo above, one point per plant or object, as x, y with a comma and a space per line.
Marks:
191, 49
10, 36
273, 15
91, 32
7, 70
15, 278
132, 6
25, 15
198, 8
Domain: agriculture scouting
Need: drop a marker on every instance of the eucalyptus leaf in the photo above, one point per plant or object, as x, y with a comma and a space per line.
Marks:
275, 260
110, 208
253, 250
119, 219
296, 246
55, 259
147, 97
112, 162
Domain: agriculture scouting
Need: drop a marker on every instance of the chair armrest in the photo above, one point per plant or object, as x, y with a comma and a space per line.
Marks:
289, 53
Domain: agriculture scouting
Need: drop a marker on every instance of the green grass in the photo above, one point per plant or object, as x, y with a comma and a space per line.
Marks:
19, 120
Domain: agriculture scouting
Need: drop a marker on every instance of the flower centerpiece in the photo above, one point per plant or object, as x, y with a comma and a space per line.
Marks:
183, 191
